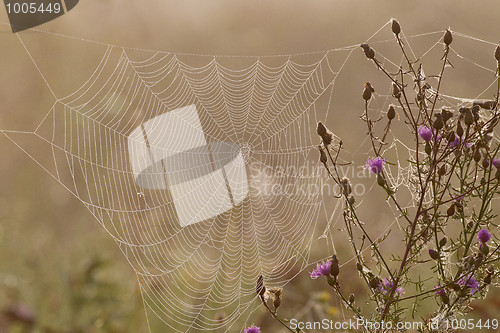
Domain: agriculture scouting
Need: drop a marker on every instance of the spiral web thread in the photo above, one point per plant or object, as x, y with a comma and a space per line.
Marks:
269, 107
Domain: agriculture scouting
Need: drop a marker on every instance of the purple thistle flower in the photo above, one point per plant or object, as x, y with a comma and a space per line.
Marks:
440, 291
321, 269
252, 329
425, 133
375, 164
386, 286
460, 198
496, 163
483, 236
470, 282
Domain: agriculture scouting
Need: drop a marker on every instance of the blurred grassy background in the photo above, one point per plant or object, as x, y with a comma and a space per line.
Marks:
56, 263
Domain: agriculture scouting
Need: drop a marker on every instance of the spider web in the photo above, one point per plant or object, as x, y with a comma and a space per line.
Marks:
268, 107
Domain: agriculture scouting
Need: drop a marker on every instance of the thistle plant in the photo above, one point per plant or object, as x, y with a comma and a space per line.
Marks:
456, 176
455, 163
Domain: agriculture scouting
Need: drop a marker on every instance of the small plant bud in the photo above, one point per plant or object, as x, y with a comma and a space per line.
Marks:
359, 267
380, 180
428, 148
470, 225
490, 269
327, 138
443, 241
486, 163
442, 170
468, 117
451, 210
446, 114
477, 155
346, 185
438, 123
391, 113
331, 281
475, 112
369, 52
484, 249
351, 200
334, 268
321, 128
487, 279
322, 155
497, 174
261, 289
396, 28
448, 37
470, 261
433, 254
351, 298
497, 53
374, 282
445, 298
396, 92
460, 130
367, 91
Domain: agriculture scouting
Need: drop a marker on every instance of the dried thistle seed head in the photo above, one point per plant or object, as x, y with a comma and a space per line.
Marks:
448, 37
367, 91
460, 129
447, 114
322, 156
321, 129
396, 92
334, 268
438, 122
451, 210
487, 279
391, 113
369, 52
396, 28
260, 288
477, 155
497, 53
